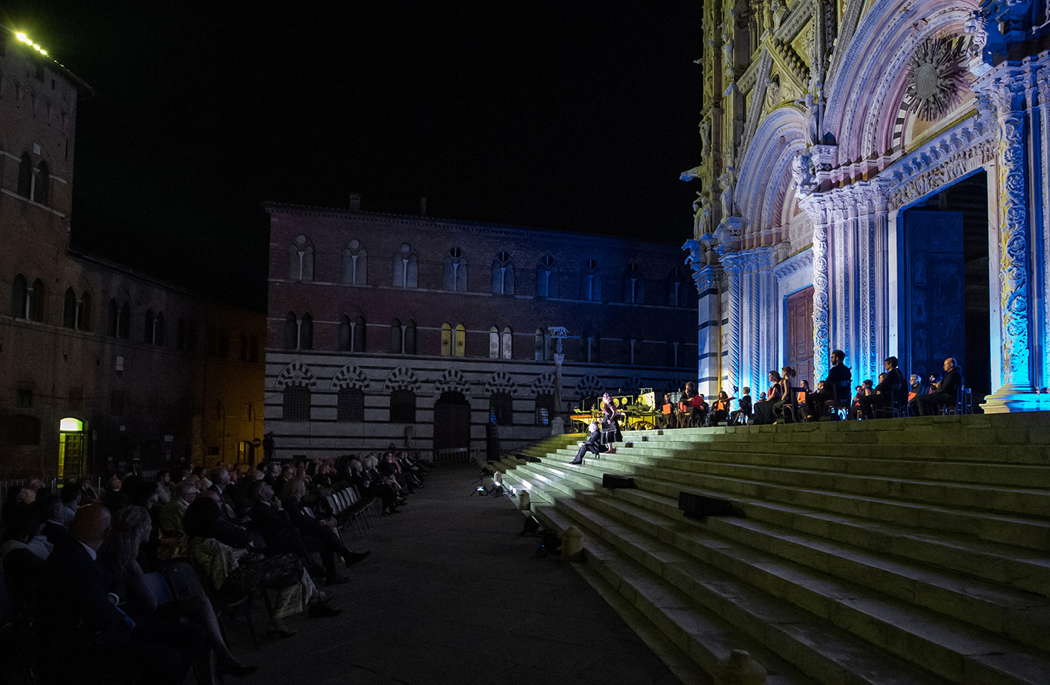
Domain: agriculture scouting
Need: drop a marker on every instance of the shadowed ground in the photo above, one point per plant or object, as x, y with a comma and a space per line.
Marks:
452, 594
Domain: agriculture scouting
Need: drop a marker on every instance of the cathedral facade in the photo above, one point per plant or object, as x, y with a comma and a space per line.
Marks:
873, 178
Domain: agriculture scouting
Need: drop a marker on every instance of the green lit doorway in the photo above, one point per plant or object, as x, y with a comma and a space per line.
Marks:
72, 453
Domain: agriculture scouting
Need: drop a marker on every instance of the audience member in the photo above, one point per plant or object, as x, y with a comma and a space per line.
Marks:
943, 393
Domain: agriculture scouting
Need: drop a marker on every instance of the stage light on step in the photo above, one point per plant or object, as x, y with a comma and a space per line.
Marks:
612, 481
699, 506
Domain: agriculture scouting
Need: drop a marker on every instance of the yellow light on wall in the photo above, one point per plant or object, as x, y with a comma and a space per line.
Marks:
70, 425
21, 37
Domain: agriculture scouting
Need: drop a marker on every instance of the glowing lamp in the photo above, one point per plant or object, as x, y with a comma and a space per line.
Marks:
70, 425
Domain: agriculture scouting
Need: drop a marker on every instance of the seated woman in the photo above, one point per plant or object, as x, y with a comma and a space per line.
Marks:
119, 557
764, 408
785, 409
720, 409
231, 574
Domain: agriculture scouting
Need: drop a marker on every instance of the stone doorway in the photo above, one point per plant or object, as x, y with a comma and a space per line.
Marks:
944, 294
799, 313
451, 421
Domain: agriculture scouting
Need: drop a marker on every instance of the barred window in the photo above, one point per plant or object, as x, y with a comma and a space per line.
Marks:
296, 403
350, 406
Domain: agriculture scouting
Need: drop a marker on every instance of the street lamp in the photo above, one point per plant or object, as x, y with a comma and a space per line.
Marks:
558, 334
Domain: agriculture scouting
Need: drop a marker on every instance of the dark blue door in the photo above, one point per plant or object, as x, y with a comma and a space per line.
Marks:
933, 296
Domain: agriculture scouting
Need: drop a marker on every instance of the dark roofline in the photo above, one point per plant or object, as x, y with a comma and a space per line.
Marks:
83, 86
287, 207
120, 268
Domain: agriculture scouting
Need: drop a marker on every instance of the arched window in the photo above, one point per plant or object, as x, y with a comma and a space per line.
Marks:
306, 332
25, 176
124, 322
20, 297
544, 409
355, 263
36, 301
502, 275
402, 406
501, 409
405, 267
446, 339
301, 259
459, 341
633, 285
352, 334
455, 270
42, 184
540, 345
291, 331
113, 319
147, 327
158, 329
397, 337
85, 312
545, 277
350, 405
507, 343
410, 337
296, 402
69, 309
592, 282
493, 343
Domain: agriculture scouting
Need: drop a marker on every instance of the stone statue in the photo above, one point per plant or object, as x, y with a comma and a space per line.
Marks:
779, 9
802, 172
705, 138
727, 181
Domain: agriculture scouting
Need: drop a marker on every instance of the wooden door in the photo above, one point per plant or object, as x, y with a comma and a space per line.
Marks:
800, 334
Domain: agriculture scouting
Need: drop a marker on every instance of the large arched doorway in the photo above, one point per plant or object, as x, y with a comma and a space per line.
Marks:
944, 298
451, 421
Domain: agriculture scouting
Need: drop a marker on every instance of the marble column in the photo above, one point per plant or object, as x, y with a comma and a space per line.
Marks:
821, 293
1005, 85
734, 267
706, 277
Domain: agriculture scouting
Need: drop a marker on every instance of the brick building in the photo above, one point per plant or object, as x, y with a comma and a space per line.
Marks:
417, 331
98, 363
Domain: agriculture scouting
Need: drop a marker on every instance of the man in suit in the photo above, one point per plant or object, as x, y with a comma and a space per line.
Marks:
87, 635
591, 444
944, 393
836, 387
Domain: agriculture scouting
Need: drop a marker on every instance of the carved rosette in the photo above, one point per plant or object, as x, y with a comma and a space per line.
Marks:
1013, 248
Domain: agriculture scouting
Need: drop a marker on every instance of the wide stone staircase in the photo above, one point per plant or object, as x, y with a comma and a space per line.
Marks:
891, 551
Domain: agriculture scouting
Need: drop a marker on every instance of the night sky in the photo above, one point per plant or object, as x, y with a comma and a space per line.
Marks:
571, 115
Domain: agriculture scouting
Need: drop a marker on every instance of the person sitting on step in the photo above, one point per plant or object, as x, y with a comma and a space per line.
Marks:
593, 443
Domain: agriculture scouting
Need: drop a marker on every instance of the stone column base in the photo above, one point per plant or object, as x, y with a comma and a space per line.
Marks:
1011, 398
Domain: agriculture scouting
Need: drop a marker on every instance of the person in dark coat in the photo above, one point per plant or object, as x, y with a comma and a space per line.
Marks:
593, 443
941, 394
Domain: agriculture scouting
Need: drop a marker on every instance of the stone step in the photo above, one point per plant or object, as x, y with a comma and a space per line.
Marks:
1013, 530
956, 652
1020, 615
999, 498
972, 471
1013, 566
709, 634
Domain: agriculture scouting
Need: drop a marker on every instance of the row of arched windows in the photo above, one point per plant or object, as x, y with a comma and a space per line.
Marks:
405, 274
34, 181
350, 406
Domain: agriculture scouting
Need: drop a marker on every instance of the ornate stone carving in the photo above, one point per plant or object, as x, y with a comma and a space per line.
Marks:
802, 173
350, 377
588, 386
937, 76
543, 384
500, 382
401, 378
727, 181
1013, 249
821, 300
452, 380
295, 374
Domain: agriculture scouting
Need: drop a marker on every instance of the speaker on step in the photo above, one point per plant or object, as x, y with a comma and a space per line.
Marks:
700, 506
613, 482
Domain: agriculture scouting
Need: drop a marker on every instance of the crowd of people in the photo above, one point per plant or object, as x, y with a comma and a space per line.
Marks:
128, 582
789, 399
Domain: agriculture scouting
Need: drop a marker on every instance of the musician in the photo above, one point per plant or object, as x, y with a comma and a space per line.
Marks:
593, 443
609, 414
764, 407
941, 394
836, 387
720, 409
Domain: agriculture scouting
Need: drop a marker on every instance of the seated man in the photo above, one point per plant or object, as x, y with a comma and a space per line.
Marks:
744, 412
591, 444
941, 394
833, 391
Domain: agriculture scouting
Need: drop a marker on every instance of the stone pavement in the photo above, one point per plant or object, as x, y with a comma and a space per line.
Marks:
452, 594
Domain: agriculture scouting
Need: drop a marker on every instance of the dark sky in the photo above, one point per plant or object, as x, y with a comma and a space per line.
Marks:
576, 115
